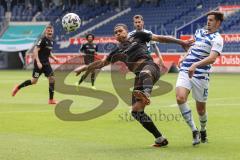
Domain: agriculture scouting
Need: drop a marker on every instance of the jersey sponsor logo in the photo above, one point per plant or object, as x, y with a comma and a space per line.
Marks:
49, 47
219, 45
39, 42
201, 45
131, 39
36, 74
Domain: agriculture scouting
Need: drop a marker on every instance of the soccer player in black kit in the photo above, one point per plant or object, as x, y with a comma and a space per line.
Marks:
41, 54
89, 49
132, 51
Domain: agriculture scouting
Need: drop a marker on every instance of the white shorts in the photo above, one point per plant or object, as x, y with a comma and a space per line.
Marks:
199, 87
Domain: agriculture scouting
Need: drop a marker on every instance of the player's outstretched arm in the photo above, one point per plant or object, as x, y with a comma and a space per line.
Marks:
169, 39
91, 67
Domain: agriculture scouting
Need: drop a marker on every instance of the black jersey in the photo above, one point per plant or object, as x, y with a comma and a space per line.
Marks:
46, 46
132, 50
89, 48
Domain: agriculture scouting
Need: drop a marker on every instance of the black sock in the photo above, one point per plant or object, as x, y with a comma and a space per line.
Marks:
51, 90
93, 78
81, 80
25, 84
147, 123
147, 83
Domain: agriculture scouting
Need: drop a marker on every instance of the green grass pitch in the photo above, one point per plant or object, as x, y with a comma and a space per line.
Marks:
30, 130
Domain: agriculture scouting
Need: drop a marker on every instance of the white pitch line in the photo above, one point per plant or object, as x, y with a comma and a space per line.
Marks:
214, 104
39, 111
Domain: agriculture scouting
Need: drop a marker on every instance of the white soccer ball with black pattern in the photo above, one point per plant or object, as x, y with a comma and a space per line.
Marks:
71, 22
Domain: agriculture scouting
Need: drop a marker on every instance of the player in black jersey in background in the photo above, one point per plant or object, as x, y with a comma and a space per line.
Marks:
89, 49
41, 53
132, 51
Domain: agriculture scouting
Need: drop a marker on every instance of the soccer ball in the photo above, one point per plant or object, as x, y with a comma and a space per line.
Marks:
71, 22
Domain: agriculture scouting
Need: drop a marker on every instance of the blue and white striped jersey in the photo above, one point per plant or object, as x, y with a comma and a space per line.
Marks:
204, 44
148, 43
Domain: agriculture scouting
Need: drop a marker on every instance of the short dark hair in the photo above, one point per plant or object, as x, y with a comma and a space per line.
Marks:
90, 34
219, 16
121, 25
49, 26
138, 16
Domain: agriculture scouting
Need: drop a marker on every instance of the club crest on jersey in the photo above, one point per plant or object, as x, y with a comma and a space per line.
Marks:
49, 47
130, 39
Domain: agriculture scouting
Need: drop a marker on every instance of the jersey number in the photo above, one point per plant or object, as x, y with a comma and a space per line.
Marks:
205, 92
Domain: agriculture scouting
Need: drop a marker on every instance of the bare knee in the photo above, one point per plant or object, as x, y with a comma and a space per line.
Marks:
34, 81
138, 106
181, 99
201, 112
201, 108
182, 95
51, 79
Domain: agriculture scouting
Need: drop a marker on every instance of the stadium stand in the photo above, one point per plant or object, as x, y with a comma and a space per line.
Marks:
2, 12
2, 18
22, 13
162, 17
164, 24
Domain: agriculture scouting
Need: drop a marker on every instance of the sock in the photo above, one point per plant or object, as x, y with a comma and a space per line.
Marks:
147, 123
203, 121
93, 78
51, 90
187, 115
25, 84
146, 80
81, 80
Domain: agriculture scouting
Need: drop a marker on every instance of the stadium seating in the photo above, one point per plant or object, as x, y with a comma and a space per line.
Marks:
232, 24
2, 13
165, 18
51, 13
23, 13
96, 16
162, 18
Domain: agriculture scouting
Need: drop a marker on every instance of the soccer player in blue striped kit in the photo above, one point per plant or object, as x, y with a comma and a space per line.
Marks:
194, 73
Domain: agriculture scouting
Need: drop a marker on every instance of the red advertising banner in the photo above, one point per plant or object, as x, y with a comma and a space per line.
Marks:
231, 37
225, 60
96, 40
229, 8
226, 37
228, 60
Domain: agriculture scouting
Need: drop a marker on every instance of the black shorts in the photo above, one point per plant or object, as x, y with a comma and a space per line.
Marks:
46, 69
153, 69
88, 58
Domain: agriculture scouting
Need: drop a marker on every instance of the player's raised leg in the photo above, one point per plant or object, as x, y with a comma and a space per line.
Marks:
24, 84
142, 89
93, 79
139, 114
